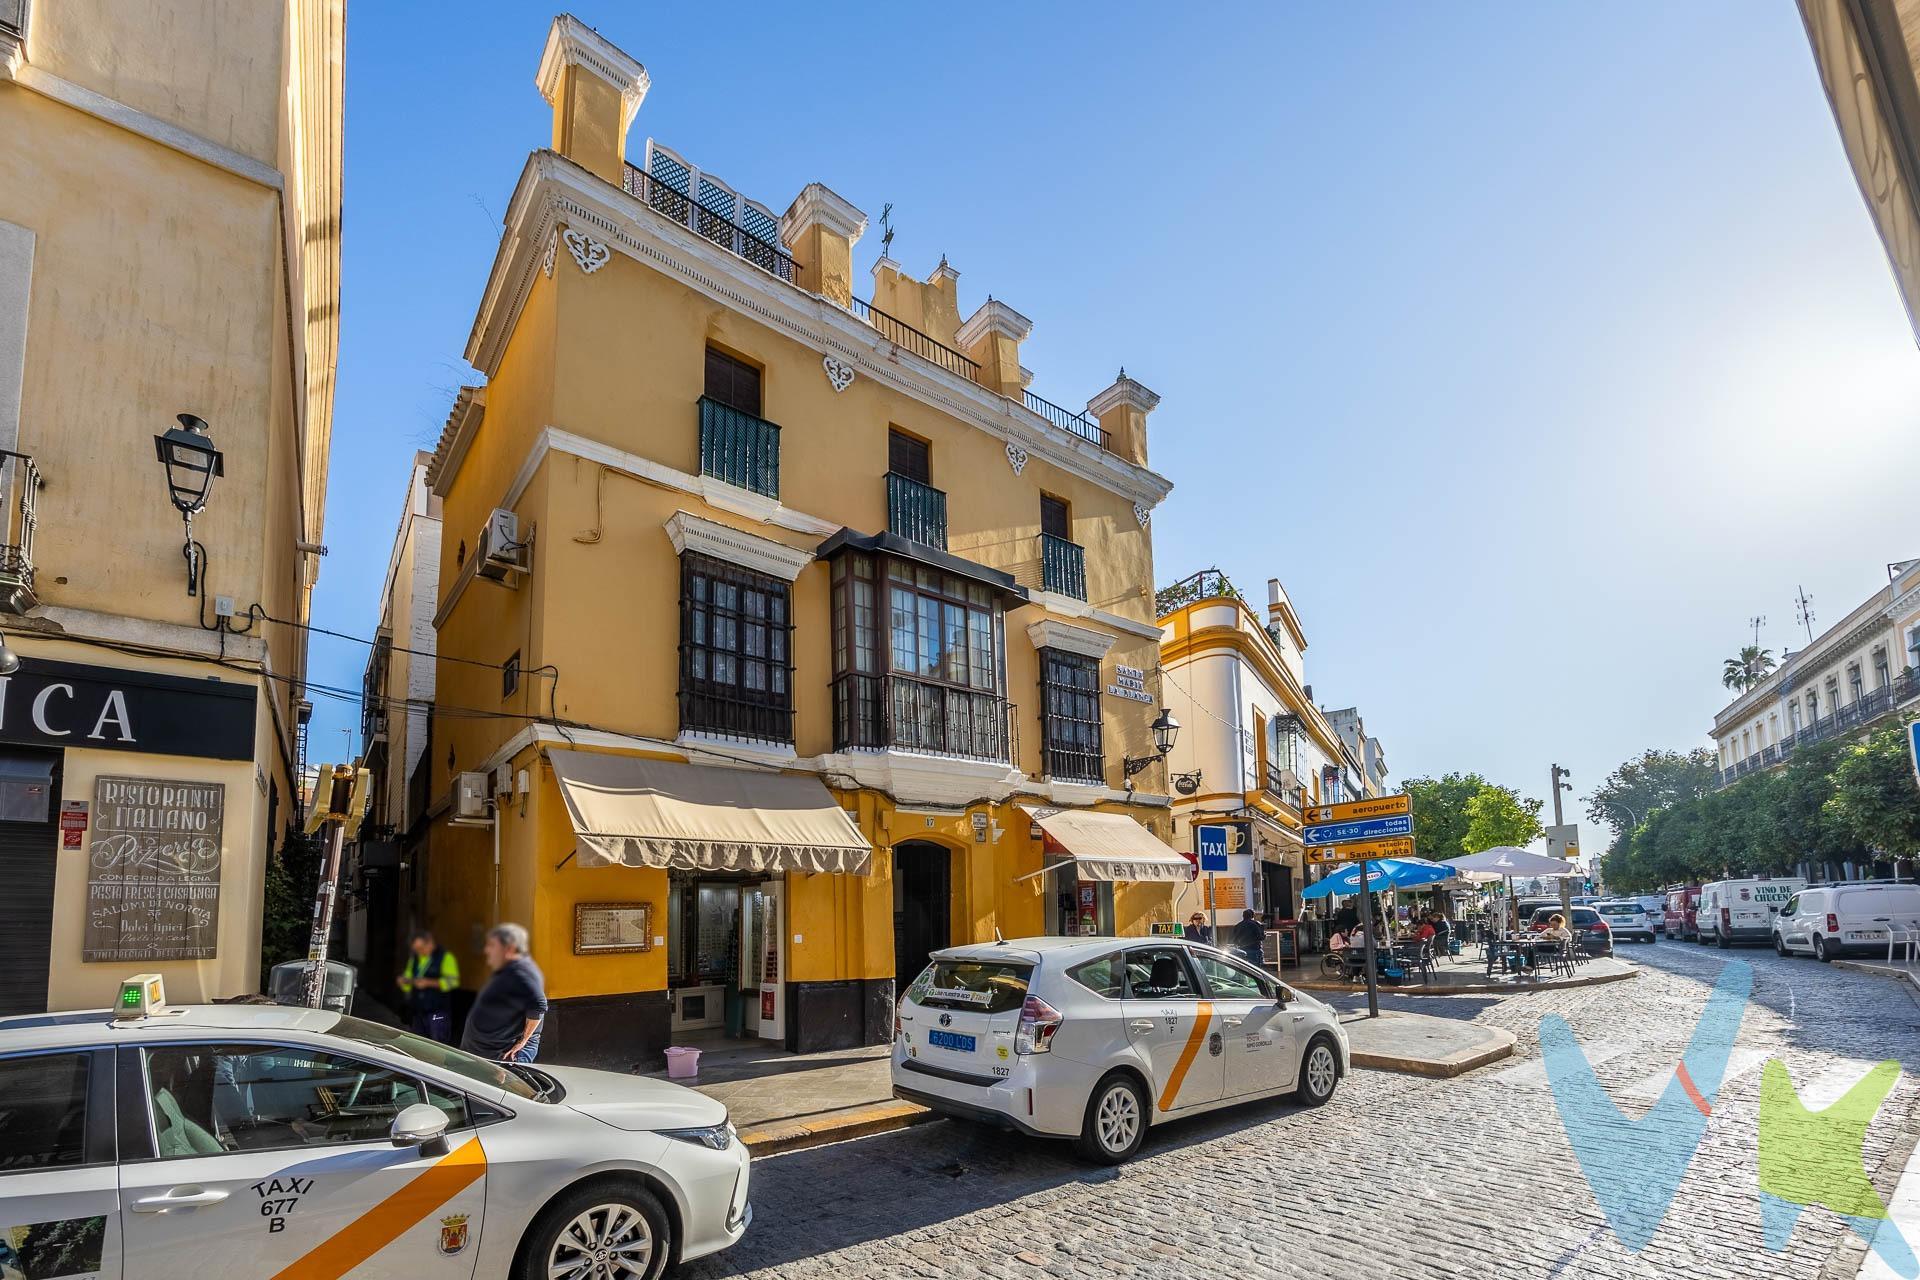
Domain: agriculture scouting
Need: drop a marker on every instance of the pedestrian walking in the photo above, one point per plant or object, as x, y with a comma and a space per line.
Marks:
1248, 937
1197, 930
506, 1017
428, 981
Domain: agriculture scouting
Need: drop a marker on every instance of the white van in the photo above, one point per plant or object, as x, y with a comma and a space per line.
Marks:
1733, 911
1829, 920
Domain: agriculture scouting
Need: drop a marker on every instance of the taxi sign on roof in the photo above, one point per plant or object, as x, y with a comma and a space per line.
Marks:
141, 995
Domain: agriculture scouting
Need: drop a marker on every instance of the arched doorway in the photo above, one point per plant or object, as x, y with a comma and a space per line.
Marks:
922, 906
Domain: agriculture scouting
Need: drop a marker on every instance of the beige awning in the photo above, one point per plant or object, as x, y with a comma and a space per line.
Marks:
661, 813
1111, 846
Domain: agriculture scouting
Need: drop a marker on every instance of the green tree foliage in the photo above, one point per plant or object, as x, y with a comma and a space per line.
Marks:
1874, 796
1440, 813
1834, 802
287, 922
1749, 668
1653, 780
1498, 815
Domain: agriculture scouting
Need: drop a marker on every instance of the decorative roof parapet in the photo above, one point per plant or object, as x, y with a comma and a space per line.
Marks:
1125, 391
993, 317
572, 43
818, 205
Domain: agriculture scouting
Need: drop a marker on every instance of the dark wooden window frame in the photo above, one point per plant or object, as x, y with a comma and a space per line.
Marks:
910, 456
733, 382
1070, 699
1056, 517
731, 707
510, 674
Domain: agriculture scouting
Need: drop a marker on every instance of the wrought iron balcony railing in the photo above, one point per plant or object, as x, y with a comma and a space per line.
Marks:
907, 338
1906, 685
757, 247
739, 448
19, 484
917, 512
1275, 784
1077, 423
900, 713
1063, 566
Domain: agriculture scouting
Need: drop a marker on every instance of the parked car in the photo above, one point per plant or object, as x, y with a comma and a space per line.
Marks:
1683, 901
1831, 920
1733, 911
1098, 1039
1655, 905
1626, 918
254, 1139
1588, 929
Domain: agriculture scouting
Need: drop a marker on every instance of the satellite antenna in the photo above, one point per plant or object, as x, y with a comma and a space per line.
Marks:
1758, 622
886, 230
1803, 611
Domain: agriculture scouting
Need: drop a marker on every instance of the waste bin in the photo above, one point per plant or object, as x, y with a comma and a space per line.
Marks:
287, 984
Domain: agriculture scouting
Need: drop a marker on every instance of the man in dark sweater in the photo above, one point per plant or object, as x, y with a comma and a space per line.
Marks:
505, 1021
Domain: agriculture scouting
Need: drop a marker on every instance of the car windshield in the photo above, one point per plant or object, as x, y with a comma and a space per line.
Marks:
435, 1054
976, 986
1618, 909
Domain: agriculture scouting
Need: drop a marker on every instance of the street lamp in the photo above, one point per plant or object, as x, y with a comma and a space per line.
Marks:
191, 462
1165, 730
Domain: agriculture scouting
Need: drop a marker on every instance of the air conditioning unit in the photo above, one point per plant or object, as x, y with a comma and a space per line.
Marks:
498, 551
470, 797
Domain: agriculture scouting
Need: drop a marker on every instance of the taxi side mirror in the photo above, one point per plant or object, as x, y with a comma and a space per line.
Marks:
419, 1125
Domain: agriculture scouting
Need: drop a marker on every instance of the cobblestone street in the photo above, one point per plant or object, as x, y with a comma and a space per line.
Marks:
1397, 1177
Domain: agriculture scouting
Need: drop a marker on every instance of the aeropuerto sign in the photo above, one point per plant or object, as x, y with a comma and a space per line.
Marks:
67, 704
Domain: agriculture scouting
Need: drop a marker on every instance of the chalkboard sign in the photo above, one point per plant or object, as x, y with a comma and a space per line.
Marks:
1286, 945
153, 870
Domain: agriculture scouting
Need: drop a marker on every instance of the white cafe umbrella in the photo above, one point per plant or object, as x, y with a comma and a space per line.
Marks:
1507, 861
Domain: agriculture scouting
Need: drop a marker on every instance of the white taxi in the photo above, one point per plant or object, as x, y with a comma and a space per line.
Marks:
1100, 1038
216, 1142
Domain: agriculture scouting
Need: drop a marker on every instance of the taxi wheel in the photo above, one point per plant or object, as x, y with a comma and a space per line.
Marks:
1319, 1073
1116, 1121
602, 1229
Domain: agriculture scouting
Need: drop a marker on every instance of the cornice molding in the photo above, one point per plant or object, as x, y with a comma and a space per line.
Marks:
706, 537
1051, 633
572, 43
553, 189
819, 205
992, 317
1123, 391
1072, 607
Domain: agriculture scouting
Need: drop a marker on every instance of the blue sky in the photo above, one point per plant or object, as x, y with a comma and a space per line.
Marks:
1533, 347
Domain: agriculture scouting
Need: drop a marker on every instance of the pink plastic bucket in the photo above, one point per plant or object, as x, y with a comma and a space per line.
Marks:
682, 1064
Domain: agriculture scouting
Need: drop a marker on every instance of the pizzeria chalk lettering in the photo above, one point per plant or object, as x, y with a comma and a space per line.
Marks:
153, 870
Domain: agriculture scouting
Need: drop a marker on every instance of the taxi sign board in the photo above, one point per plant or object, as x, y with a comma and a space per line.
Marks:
1393, 847
1367, 829
1210, 842
140, 995
1356, 810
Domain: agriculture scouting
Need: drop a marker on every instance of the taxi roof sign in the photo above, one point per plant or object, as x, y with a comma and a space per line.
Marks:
141, 996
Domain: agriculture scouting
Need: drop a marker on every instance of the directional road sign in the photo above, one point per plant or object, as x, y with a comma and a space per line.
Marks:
1913, 746
1368, 829
1394, 847
1355, 810
1211, 844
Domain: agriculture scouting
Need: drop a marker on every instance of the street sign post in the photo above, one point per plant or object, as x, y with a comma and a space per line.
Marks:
1357, 810
1392, 847
1210, 842
1351, 832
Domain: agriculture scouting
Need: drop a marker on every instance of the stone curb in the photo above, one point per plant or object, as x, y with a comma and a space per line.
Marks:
1472, 988
837, 1126
1446, 1068
1878, 970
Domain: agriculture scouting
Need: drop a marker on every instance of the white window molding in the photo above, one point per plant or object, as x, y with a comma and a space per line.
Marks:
1051, 633
735, 546
16, 278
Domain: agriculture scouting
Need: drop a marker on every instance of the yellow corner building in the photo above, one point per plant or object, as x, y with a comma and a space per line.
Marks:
783, 636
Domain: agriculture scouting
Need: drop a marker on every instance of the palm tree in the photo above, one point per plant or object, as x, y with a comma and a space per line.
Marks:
1752, 666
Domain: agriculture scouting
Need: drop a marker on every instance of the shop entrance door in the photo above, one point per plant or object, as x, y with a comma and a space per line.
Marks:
29, 838
763, 959
922, 906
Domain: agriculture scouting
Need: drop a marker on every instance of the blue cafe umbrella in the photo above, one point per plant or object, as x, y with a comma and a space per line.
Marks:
1382, 874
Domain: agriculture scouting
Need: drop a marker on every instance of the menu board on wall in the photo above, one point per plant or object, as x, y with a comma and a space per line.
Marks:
153, 870
612, 926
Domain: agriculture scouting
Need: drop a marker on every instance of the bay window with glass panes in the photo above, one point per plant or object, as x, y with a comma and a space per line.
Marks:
736, 673
918, 662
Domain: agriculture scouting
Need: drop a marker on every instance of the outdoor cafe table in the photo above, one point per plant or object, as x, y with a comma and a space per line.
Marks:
1528, 944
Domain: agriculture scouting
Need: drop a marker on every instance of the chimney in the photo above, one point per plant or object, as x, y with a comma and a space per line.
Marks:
820, 229
1122, 409
1276, 600
991, 338
931, 307
594, 90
